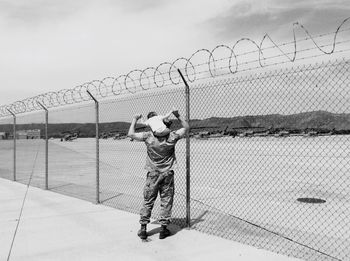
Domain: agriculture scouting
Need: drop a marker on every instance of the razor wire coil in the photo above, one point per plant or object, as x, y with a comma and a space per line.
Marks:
165, 73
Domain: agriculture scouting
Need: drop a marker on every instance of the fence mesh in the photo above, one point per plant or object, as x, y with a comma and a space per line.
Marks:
269, 157
30, 153
7, 149
72, 161
252, 171
122, 173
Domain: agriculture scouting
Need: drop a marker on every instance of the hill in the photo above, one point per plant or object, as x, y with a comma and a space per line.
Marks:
301, 121
320, 121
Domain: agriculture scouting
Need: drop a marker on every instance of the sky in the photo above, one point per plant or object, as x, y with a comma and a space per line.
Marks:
49, 45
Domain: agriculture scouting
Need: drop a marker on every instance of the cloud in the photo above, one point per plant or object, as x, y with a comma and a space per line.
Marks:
254, 19
53, 45
140, 5
46, 11
49, 45
34, 12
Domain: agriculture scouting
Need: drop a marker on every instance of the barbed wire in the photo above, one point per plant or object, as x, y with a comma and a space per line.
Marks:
165, 73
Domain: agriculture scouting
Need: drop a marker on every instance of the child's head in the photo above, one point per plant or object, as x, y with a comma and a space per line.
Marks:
151, 114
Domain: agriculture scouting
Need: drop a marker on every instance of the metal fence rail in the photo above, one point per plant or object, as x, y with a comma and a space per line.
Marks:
269, 157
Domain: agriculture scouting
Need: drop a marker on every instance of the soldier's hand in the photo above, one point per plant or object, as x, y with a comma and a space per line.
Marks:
176, 113
137, 116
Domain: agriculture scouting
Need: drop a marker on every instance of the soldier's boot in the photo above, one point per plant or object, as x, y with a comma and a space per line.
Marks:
142, 233
164, 232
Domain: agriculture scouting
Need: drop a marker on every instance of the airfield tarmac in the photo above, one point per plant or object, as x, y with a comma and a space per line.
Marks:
245, 189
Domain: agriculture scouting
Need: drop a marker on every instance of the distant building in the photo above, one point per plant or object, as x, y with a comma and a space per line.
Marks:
202, 135
21, 134
28, 134
33, 134
282, 133
249, 133
4, 135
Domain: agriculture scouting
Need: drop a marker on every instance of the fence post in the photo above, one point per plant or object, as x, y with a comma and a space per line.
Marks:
46, 146
14, 144
97, 149
188, 154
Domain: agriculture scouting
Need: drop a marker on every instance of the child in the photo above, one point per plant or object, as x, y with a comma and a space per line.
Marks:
155, 122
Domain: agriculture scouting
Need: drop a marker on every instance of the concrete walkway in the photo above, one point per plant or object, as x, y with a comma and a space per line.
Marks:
57, 227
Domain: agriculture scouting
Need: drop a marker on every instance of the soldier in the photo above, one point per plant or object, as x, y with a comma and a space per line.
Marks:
160, 175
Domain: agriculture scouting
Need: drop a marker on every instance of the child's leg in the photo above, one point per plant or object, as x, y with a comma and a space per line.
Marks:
162, 133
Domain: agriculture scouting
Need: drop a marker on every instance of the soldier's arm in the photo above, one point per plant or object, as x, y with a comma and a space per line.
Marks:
132, 134
185, 126
166, 116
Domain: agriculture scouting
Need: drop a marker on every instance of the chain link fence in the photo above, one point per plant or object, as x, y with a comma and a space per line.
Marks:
122, 172
270, 160
269, 157
7, 149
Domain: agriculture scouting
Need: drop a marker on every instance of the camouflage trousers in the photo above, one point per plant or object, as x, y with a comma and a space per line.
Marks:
164, 184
